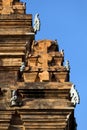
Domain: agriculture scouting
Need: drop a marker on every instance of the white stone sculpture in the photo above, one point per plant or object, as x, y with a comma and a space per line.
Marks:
75, 99
22, 67
62, 52
14, 98
67, 65
36, 23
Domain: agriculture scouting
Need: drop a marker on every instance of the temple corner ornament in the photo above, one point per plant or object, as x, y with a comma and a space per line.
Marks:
16, 99
75, 98
62, 52
22, 67
67, 65
36, 23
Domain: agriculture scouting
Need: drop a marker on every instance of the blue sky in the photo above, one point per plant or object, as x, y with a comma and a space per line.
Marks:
66, 21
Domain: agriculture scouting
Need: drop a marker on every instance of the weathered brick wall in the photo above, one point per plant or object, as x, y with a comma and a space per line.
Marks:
7, 77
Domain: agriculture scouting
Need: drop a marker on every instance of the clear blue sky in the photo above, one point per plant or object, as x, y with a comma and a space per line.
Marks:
66, 21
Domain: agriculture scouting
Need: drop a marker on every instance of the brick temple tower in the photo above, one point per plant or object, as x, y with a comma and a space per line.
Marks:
35, 89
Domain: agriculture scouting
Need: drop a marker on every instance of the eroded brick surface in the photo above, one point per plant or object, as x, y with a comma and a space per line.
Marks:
42, 86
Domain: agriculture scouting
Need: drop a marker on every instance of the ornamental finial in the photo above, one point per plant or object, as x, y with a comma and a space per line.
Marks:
36, 23
75, 99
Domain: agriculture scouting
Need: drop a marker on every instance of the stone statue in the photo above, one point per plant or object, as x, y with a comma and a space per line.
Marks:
36, 23
22, 67
67, 65
75, 99
15, 99
62, 52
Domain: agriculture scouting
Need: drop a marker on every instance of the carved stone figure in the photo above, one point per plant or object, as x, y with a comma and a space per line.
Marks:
74, 95
15, 99
22, 67
67, 65
62, 52
36, 23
